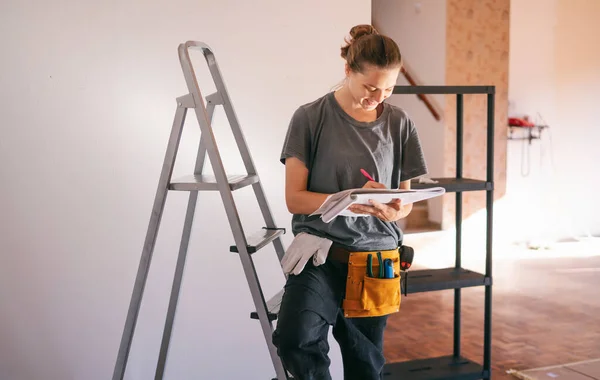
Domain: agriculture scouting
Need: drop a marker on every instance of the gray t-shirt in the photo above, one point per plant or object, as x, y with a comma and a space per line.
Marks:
334, 147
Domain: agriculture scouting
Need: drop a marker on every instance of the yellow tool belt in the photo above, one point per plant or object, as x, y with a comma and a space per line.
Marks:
374, 296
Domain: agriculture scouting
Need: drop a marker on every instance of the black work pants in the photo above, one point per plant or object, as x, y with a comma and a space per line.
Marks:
311, 303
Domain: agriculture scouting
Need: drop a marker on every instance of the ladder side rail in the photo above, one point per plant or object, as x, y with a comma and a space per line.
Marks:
210, 144
149, 243
181, 258
242, 145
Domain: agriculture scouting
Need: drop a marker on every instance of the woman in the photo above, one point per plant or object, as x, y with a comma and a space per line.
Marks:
328, 142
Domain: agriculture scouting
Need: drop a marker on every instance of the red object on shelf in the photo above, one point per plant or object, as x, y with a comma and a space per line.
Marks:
518, 122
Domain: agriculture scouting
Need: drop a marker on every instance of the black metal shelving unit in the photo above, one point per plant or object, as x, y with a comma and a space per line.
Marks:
455, 366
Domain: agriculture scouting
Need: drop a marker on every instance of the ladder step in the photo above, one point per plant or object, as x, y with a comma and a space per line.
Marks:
209, 182
260, 239
272, 306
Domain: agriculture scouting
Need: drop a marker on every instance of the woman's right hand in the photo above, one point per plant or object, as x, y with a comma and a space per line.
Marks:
388, 212
373, 185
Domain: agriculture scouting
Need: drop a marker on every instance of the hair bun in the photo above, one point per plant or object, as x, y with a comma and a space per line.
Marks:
362, 30
366, 46
357, 32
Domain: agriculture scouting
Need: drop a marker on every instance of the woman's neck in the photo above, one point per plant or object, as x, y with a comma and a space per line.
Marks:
355, 110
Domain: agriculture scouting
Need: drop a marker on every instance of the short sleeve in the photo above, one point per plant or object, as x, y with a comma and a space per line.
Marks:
413, 159
298, 138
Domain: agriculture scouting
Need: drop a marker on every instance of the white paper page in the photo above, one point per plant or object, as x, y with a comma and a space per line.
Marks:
380, 195
406, 198
362, 196
331, 201
364, 199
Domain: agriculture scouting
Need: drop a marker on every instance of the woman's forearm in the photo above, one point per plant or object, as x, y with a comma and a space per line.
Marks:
304, 202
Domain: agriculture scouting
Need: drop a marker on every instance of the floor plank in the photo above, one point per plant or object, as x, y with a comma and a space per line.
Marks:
545, 312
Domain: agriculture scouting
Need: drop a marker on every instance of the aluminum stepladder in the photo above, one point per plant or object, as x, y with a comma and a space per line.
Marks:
222, 183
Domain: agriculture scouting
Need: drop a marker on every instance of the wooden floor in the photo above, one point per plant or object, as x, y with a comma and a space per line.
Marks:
545, 312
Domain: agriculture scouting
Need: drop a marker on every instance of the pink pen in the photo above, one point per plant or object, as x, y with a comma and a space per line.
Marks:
364, 172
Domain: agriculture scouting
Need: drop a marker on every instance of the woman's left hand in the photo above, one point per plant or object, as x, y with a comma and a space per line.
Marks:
388, 212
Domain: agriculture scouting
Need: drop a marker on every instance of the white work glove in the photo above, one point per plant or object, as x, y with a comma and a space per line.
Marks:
303, 247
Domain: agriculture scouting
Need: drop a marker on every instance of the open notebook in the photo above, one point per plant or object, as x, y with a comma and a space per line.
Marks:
337, 204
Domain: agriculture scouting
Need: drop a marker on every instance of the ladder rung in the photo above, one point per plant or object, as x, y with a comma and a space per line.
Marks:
209, 182
273, 306
260, 239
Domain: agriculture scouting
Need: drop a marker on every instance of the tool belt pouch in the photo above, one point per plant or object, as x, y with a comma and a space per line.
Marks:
371, 296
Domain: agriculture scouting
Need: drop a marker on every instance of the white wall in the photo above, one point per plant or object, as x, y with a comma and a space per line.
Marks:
554, 71
88, 96
419, 28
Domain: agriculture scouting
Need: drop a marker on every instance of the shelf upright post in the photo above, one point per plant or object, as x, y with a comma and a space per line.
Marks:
458, 220
487, 333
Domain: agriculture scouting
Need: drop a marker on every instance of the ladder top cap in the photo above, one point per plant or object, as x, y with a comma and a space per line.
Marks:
197, 45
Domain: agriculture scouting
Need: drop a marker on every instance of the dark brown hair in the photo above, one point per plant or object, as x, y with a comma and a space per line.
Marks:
367, 46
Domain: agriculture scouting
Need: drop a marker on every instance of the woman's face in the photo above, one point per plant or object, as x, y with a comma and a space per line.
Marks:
372, 86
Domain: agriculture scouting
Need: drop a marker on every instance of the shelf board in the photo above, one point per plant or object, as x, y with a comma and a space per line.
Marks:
450, 90
440, 368
454, 184
428, 280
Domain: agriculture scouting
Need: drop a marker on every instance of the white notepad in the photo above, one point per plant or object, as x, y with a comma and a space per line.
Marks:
337, 204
